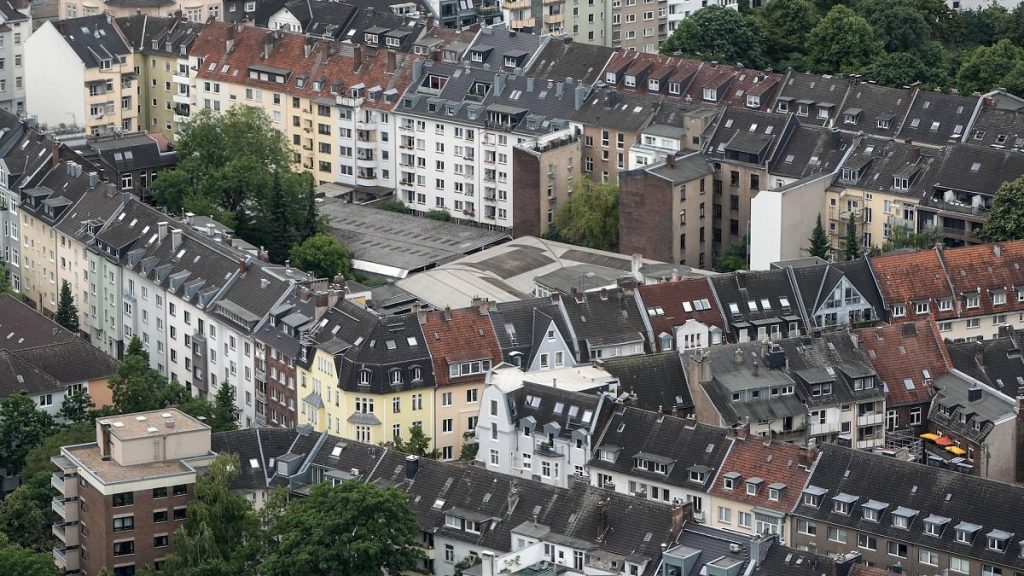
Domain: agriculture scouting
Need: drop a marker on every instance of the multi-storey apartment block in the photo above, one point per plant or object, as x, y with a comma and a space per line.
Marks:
16, 23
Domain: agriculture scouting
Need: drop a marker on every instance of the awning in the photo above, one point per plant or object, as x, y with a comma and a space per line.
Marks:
956, 450
930, 436
943, 441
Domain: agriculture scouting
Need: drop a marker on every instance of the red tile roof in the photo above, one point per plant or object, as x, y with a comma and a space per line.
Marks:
987, 268
777, 462
910, 277
333, 62
670, 296
865, 570
466, 335
901, 351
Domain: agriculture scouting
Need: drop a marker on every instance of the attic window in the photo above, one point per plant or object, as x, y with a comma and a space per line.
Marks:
610, 78
710, 94
653, 85
476, 56
975, 167
392, 41
673, 87
753, 101
900, 183
370, 39
510, 62
783, 106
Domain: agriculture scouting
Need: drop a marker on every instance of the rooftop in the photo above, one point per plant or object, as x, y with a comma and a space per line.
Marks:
141, 424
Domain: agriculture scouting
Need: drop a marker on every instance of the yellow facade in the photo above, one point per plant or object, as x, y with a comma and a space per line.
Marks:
73, 266
458, 406
111, 97
39, 280
165, 97
875, 212
362, 416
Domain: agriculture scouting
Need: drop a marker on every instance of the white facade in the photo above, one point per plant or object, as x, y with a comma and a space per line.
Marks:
693, 335
679, 10
283, 19
781, 220
650, 489
369, 136
12, 50
54, 79
651, 149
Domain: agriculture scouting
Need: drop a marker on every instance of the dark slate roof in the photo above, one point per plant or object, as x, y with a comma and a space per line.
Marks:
523, 318
92, 210
387, 347
562, 58
657, 381
603, 319
569, 410
406, 30
783, 561
936, 118
732, 372
687, 443
50, 201
258, 450
748, 136
924, 489
977, 169
502, 42
815, 91
281, 336
152, 34
255, 291
346, 323
687, 167
979, 416
22, 327
811, 150
877, 161
93, 38
24, 152
611, 109
322, 17
17, 375
11, 11
995, 126
131, 152
71, 362
833, 357
737, 291
871, 104
996, 362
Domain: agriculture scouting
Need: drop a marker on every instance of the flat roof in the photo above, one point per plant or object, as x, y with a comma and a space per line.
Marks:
572, 379
110, 472
141, 424
394, 244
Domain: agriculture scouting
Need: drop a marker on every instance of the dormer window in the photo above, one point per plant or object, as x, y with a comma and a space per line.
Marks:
882, 123
753, 485
510, 62
729, 480
899, 310
710, 94
822, 113
842, 502
775, 491
630, 81
609, 77
850, 117
945, 305
996, 540
673, 88
900, 183
965, 532
783, 106
901, 517
396, 376
753, 101
476, 56
653, 85
850, 174
973, 301
364, 377
370, 39
933, 525
921, 308
872, 510
699, 473
608, 455
801, 109
392, 41
813, 495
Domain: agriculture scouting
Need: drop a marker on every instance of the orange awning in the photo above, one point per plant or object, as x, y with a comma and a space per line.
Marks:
943, 441
956, 450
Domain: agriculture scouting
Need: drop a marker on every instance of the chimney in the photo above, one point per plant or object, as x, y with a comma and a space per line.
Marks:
611, 98
357, 58
636, 261
263, 255
487, 567
738, 355
915, 155
268, 44
836, 138
307, 47
499, 84
529, 83
412, 465
602, 519
484, 307
94, 179
243, 265
54, 154
979, 353
681, 514
974, 393
446, 314
581, 96
753, 368
161, 233
670, 160
175, 239
559, 89
392, 61
229, 40
104, 438
759, 546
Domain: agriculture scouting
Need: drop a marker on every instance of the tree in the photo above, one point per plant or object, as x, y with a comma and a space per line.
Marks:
76, 406
136, 387
323, 256
842, 42
786, 24
25, 562
735, 257
718, 33
393, 206
903, 237
352, 529
135, 348
22, 427
897, 69
24, 521
591, 216
469, 448
225, 411
819, 241
1006, 221
5, 280
418, 443
67, 312
217, 527
852, 245
899, 26
439, 215
987, 67
279, 238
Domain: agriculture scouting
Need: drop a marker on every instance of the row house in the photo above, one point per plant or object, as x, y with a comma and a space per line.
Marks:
684, 314
193, 10
995, 362
971, 292
130, 161
531, 430
837, 294
658, 457
534, 334
655, 382
759, 485
83, 72
758, 305
908, 357
397, 28
607, 324
920, 519
333, 101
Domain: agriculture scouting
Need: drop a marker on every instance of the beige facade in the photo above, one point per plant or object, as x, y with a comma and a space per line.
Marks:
875, 212
38, 262
111, 98
544, 177
194, 10
73, 267
638, 24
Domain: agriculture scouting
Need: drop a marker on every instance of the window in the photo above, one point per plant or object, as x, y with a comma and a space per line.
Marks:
180, 490
471, 395
961, 565
973, 301
897, 549
123, 499
124, 523
921, 308
744, 519
160, 492
159, 516
867, 542
124, 548
180, 513
805, 527
837, 535
899, 310
160, 541
725, 515
494, 457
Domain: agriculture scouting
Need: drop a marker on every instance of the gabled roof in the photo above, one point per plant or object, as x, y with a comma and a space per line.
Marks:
936, 118
126, 153
977, 169
515, 324
783, 561
997, 126
22, 327
874, 109
61, 187
756, 296
674, 303
460, 335
495, 43
996, 362
923, 492
562, 58
908, 358
910, 277
686, 443
604, 319
811, 150
71, 362
815, 92
165, 35
94, 39
654, 381
748, 135
816, 283
782, 466
988, 269
570, 410
393, 343
876, 162
969, 408
17, 375
832, 358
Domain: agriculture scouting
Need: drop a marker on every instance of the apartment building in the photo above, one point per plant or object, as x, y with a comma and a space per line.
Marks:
837, 294
17, 26
120, 500
923, 519
551, 167
655, 382
758, 305
639, 25
679, 10
664, 208
82, 72
333, 101
132, 162
162, 45
193, 10
534, 334
683, 314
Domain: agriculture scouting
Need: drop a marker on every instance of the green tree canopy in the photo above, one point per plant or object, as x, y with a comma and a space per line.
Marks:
718, 33
76, 406
842, 42
67, 312
352, 529
786, 24
1006, 222
736, 256
418, 443
591, 216
897, 69
27, 562
903, 237
988, 67
22, 427
439, 215
323, 256
819, 241
24, 521
851, 248
898, 24
5, 279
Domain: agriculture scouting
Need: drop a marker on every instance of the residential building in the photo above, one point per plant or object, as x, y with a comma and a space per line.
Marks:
162, 46
119, 502
837, 294
874, 109
82, 72
921, 518
612, 123
551, 167
679, 10
982, 424
663, 209
396, 26
658, 457
582, 59
17, 26
537, 431
534, 334
812, 98
683, 314
194, 10
655, 382
758, 305
131, 161
995, 362
638, 26
908, 357
607, 324
936, 118
759, 485
463, 347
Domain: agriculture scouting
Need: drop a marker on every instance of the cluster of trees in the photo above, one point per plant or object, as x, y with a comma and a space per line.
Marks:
236, 167
1006, 222
29, 437
590, 217
893, 42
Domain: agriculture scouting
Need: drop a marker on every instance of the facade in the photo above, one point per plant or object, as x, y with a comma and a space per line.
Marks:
759, 305
193, 10
119, 501
683, 314
131, 162
607, 323
82, 72
16, 21
551, 168
534, 334
837, 294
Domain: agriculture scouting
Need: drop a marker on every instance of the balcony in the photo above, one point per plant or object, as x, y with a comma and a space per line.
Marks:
68, 534
870, 419
63, 486
549, 450
67, 560
181, 98
179, 79
67, 511
516, 5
